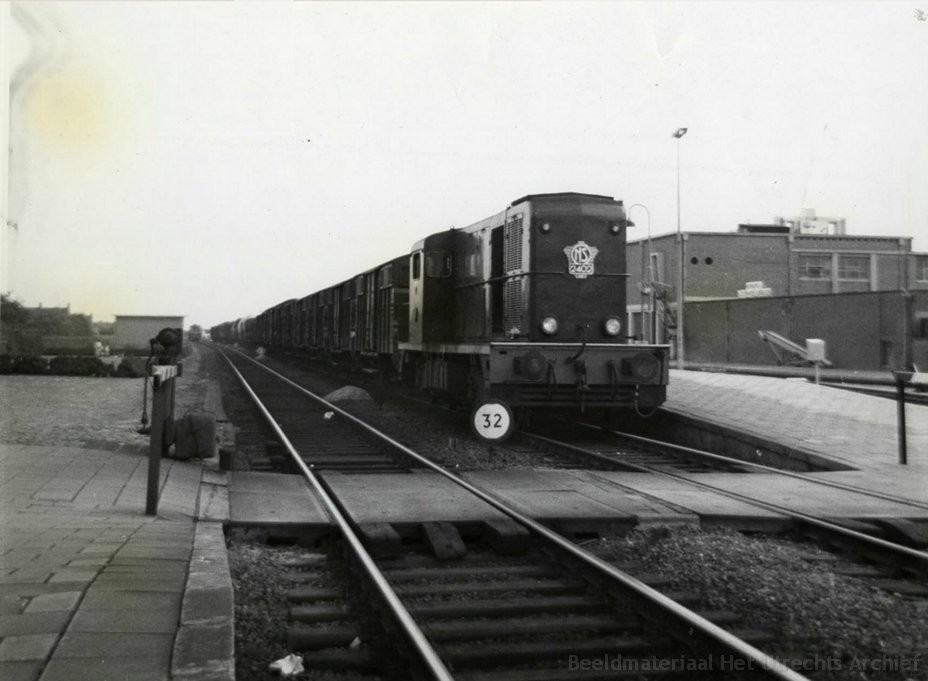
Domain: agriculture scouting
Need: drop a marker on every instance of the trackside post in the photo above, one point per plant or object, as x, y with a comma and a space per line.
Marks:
902, 377
162, 415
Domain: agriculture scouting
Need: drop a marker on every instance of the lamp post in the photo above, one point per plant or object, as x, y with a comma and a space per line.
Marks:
646, 279
678, 135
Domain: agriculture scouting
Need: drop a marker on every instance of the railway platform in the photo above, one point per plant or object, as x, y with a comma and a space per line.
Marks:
91, 588
858, 431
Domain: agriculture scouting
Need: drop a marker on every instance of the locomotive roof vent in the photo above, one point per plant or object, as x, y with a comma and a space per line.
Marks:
562, 195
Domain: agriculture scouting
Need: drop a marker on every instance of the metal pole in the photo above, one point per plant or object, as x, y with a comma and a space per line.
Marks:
900, 411
681, 296
159, 394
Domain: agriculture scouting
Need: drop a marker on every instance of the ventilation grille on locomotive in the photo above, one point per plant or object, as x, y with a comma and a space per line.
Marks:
513, 246
513, 304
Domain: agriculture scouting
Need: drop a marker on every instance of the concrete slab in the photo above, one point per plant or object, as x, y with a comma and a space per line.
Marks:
273, 499
575, 496
811, 498
106, 669
710, 507
393, 498
27, 647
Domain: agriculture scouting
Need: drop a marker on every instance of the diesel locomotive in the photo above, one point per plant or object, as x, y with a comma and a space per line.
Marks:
523, 309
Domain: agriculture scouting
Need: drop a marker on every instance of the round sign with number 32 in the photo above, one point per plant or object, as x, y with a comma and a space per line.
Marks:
492, 421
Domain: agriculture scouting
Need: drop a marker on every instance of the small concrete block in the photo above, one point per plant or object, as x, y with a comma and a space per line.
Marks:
73, 575
119, 600
207, 604
115, 644
63, 600
34, 623
506, 537
204, 648
215, 477
155, 552
27, 647
107, 669
122, 621
444, 540
138, 584
28, 670
381, 539
93, 561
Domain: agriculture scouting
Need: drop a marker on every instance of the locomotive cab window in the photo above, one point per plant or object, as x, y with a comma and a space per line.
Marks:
438, 264
416, 265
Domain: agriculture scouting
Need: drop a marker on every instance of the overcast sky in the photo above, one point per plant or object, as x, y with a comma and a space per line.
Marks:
214, 159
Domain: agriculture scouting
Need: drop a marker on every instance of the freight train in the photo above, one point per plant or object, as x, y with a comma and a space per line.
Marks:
522, 310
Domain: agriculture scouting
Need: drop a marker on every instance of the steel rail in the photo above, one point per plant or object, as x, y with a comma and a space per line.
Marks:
770, 469
765, 664
920, 557
424, 649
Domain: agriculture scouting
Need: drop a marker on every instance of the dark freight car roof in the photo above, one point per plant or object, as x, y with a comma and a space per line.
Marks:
561, 195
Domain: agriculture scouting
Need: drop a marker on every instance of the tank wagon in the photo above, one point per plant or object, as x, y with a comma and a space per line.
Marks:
525, 308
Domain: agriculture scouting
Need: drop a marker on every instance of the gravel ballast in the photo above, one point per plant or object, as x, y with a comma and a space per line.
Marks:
833, 626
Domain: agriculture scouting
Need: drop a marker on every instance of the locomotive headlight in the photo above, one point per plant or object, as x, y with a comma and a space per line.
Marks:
612, 326
549, 325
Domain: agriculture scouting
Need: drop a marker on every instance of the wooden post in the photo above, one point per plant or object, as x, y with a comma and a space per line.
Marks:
162, 408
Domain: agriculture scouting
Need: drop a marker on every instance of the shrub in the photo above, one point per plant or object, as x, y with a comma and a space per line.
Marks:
7, 364
131, 367
30, 364
70, 365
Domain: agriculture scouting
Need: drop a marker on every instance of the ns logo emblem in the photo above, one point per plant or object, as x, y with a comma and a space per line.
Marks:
580, 258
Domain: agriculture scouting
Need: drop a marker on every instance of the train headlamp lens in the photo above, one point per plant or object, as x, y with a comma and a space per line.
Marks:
549, 325
612, 326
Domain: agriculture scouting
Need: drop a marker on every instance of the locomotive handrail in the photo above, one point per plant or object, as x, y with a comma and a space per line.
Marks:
505, 277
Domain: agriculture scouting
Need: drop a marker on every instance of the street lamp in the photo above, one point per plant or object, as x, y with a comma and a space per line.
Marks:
680, 294
647, 281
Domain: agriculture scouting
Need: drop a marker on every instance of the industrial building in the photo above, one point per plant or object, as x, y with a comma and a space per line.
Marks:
133, 332
816, 282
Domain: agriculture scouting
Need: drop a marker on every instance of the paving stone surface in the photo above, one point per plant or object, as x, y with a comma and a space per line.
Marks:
91, 588
859, 430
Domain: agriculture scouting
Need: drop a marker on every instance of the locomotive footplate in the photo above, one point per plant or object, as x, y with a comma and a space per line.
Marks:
563, 374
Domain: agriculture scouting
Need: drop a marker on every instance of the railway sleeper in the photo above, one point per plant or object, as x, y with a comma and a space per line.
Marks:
472, 572
342, 659
532, 586
309, 594
302, 637
444, 540
495, 654
513, 607
317, 613
562, 674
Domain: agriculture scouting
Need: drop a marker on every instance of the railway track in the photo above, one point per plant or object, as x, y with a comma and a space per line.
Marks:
894, 566
518, 602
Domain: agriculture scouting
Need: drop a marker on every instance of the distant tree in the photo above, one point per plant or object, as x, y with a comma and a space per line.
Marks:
14, 323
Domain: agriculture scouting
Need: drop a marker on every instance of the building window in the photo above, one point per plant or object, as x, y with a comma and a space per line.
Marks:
921, 268
854, 267
815, 266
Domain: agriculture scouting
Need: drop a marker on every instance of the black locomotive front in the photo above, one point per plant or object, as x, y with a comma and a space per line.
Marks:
528, 307
563, 301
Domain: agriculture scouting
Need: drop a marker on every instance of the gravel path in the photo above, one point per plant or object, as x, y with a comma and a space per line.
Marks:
96, 413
